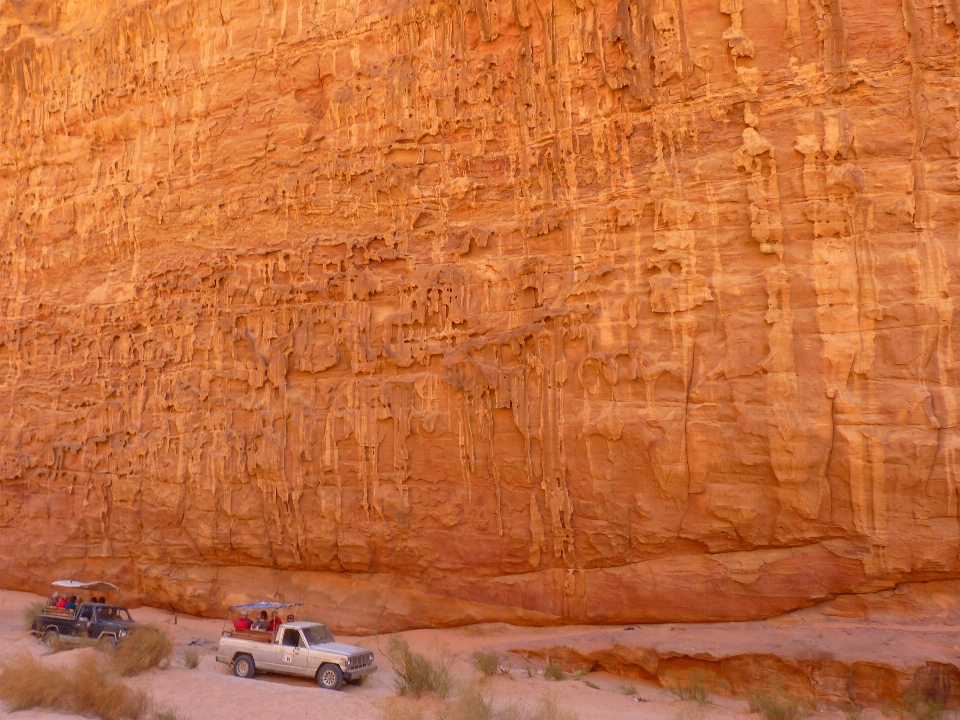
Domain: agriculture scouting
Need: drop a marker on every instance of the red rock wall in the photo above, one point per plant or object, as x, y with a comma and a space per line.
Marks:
434, 312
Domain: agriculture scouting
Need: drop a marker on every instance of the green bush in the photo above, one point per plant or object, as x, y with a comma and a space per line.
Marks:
416, 674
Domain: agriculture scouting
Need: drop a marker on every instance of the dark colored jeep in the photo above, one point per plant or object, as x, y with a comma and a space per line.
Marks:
96, 621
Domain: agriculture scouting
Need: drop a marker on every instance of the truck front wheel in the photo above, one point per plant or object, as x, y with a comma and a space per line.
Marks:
330, 677
243, 666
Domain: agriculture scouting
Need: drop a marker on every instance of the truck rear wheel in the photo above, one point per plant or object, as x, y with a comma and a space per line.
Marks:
51, 638
243, 666
329, 676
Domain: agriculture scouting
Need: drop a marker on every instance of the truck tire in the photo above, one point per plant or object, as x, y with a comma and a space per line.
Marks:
243, 666
51, 638
330, 676
108, 641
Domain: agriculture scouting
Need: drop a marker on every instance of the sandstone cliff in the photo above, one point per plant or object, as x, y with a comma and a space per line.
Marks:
435, 312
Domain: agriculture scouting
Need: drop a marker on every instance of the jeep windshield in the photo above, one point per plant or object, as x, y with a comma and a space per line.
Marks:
317, 634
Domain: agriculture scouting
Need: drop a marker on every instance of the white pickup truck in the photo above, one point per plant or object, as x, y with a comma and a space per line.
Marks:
295, 648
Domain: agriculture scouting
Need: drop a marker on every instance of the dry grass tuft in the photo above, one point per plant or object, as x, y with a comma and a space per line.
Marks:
918, 706
190, 657
168, 713
627, 689
778, 704
489, 663
693, 687
32, 614
86, 688
548, 710
473, 704
145, 647
554, 671
416, 674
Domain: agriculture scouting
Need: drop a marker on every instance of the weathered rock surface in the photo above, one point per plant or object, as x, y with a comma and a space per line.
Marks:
436, 312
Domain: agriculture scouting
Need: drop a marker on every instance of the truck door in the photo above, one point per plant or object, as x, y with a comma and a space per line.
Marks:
84, 620
292, 652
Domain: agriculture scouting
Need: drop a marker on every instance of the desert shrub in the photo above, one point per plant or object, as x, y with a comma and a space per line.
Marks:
145, 647
489, 663
693, 687
190, 658
777, 704
554, 671
416, 674
591, 685
31, 613
472, 704
86, 688
919, 706
627, 689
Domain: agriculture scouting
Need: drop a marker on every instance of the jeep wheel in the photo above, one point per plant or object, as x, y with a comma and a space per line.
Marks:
243, 666
329, 677
108, 642
51, 638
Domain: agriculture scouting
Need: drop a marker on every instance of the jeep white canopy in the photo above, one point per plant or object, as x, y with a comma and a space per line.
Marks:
91, 586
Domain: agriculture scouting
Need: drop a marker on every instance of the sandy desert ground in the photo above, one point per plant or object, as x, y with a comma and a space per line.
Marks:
210, 692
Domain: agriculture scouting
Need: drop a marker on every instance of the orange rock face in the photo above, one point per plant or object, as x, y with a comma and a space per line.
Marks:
436, 312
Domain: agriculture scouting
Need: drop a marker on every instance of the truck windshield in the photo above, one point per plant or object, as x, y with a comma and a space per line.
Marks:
317, 634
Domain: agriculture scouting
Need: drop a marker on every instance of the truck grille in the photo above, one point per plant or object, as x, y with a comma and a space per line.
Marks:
361, 661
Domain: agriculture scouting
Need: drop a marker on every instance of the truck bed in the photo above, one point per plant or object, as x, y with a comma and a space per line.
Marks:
263, 636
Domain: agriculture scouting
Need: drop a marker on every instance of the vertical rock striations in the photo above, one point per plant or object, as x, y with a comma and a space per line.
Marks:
435, 312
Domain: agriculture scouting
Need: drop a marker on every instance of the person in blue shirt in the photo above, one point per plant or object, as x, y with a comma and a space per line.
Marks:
72, 603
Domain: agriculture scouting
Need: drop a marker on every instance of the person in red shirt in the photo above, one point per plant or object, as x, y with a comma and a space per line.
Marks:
274, 622
243, 622
62, 602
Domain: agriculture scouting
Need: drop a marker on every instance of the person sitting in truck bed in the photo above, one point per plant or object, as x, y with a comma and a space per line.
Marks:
262, 622
243, 622
71, 603
274, 622
62, 602
52, 602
